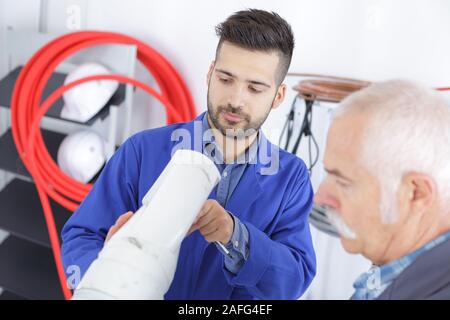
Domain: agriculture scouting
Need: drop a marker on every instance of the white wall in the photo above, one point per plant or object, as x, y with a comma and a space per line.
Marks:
23, 14
28, 20
366, 39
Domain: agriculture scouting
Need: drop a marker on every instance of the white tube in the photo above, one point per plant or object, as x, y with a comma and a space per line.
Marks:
139, 261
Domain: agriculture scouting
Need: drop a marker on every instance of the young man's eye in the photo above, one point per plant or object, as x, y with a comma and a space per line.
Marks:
255, 90
225, 80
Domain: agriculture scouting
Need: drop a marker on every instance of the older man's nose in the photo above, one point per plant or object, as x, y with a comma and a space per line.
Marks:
325, 198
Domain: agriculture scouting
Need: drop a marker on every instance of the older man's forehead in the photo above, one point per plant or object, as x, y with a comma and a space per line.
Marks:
346, 133
337, 163
344, 143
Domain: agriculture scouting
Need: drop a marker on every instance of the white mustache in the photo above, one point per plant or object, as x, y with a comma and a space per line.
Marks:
336, 220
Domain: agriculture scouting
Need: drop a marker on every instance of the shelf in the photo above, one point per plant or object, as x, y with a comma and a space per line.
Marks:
27, 267
55, 81
6, 295
22, 215
10, 160
28, 270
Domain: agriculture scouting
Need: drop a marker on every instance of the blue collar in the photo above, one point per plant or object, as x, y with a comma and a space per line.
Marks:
267, 155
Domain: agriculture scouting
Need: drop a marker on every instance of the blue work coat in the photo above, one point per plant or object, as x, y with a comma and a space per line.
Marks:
274, 205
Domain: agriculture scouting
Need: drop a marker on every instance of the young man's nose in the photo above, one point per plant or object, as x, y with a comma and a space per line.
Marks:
237, 98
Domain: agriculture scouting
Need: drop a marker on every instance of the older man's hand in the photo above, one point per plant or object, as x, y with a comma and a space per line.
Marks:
214, 223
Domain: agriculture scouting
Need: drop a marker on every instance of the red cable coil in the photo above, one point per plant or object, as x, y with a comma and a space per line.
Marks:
27, 113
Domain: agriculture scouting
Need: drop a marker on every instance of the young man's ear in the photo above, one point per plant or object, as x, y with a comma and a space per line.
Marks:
210, 71
279, 97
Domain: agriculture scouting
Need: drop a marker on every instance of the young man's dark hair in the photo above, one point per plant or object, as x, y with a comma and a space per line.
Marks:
255, 29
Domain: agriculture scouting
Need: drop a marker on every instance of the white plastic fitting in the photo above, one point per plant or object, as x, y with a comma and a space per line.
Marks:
139, 261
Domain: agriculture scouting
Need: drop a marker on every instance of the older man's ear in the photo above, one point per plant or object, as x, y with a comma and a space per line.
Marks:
418, 194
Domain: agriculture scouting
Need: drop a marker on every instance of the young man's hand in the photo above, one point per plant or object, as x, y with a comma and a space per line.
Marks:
214, 223
119, 223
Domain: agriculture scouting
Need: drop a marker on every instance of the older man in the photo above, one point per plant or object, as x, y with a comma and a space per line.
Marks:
387, 188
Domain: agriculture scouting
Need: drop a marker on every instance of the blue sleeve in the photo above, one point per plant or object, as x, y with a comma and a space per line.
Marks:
282, 265
113, 194
238, 247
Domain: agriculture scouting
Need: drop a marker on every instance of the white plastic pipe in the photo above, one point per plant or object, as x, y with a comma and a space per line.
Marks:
139, 261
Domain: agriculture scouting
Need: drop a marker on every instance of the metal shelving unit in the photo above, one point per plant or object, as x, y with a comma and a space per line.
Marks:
27, 268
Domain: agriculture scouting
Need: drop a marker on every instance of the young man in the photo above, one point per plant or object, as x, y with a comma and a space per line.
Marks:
259, 211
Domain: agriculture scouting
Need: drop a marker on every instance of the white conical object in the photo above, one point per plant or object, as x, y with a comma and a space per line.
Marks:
139, 261
83, 101
81, 155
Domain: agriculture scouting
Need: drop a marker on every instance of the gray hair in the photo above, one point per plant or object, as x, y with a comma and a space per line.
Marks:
408, 131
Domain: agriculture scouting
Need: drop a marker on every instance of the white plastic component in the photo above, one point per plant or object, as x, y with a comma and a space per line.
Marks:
81, 155
139, 261
85, 100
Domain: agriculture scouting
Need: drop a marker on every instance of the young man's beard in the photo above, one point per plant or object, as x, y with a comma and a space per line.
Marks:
249, 128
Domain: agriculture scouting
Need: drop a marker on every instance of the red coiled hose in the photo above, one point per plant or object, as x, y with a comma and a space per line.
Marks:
27, 113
